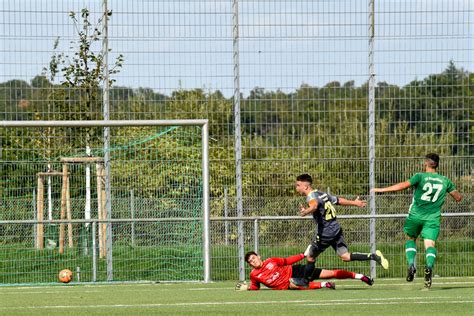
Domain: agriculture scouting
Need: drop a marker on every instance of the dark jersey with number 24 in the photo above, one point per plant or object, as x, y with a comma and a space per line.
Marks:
325, 214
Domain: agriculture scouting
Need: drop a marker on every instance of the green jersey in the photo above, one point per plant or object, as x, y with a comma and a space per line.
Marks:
430, 193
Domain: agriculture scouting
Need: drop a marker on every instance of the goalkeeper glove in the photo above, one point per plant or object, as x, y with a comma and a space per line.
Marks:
241, 286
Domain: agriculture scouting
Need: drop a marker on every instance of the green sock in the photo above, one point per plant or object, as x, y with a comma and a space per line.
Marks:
410, 251
430, 257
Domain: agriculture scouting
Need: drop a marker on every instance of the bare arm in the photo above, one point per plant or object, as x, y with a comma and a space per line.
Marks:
456, 195
396, 187
356, 202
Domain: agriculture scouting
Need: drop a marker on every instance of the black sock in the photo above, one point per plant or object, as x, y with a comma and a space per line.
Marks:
357, 256
308, 270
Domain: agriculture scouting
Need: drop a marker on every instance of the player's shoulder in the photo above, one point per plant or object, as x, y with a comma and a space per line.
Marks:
253, 272
418, 177
420, 174
435, 177
428, 176
266, 261
447, 180
444, 177
315, 194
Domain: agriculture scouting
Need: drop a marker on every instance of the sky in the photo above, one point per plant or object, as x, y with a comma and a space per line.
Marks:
282, 44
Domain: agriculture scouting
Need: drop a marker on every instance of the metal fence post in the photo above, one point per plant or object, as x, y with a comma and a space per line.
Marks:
35, 227
94, 253
108, 191
132, 216
226, 214
371, 113
238, 137
255, 235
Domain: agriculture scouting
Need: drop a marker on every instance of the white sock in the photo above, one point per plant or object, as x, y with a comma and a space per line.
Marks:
358, 276
323, 284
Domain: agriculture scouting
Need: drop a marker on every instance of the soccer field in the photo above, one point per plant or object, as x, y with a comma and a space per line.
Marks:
387, 297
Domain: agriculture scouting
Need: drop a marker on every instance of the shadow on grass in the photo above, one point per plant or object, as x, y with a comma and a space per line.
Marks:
451, 288
350, 288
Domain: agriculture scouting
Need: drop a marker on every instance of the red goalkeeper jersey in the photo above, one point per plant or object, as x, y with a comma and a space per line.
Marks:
275, 273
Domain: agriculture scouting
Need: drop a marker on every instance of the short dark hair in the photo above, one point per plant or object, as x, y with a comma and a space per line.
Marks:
248, 254
433, 160
305, 178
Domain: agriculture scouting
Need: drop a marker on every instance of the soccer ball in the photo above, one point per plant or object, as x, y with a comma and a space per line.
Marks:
65, 276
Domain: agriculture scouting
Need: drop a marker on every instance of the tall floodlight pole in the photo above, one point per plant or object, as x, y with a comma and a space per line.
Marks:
372, 132
238, 137
108, 198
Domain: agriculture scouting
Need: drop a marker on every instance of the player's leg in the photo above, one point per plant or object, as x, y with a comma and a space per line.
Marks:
430, 253
343, 252
412, 229
317, 275
297, 279
430, 260
430, 234
313, 286
410, 253
312, 252
320, 285
341, 248
358, 256
344, 274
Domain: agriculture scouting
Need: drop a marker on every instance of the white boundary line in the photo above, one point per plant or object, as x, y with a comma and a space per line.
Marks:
389, 303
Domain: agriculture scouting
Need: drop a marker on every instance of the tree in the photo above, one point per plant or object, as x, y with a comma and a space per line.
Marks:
75, 93
83, 72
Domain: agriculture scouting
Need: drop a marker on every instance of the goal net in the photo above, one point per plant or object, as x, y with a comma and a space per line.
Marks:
128, 208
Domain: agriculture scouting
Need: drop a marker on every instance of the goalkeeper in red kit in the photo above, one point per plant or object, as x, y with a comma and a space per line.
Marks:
283, 274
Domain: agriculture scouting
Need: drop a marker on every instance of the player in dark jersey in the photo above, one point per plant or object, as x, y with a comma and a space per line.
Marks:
424, 215
283, 274
329, 232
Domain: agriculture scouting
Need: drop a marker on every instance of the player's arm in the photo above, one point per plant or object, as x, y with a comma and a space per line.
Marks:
357, 202
396, 187
456, 195
254, 284
243, 286
313, 205
293, 259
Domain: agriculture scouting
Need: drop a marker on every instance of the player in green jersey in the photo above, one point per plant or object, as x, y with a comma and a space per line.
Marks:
430, 189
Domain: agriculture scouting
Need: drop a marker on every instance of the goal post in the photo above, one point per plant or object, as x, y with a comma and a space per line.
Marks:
132, 147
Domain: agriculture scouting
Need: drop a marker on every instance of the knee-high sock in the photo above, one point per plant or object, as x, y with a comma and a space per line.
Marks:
308, 270
430, 257
410, 251
357, 256
343, 274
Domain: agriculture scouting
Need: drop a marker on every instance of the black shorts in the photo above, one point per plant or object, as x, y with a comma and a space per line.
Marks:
321, 243
298, 272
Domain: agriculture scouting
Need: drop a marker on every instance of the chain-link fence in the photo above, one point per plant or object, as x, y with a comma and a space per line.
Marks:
286, 236
351, 92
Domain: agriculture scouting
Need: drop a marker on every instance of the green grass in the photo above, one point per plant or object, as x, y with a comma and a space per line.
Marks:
386, 297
